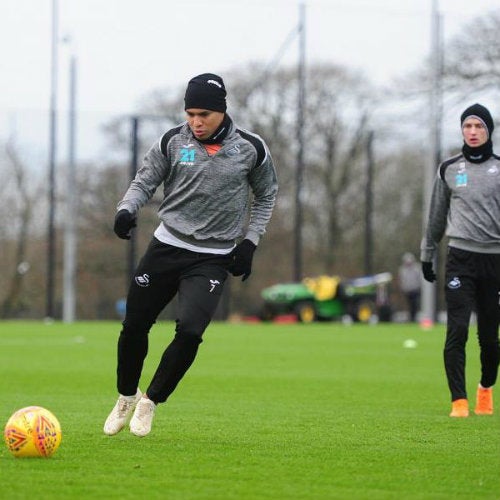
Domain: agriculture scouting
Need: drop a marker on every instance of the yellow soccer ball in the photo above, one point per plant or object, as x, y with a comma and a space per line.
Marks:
32, 432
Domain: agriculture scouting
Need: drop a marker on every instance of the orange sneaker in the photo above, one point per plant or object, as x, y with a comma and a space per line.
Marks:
459, 408
484, 401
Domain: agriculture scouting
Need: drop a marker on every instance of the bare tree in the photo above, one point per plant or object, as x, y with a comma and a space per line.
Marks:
473, 56
18, 195
339, 109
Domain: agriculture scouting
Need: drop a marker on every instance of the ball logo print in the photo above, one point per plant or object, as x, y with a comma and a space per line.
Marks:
32, 432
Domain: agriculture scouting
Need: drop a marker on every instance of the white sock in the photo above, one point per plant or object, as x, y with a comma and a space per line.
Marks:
129, 398
481, 387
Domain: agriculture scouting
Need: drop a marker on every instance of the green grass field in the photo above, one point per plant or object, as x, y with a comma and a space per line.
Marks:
320, 411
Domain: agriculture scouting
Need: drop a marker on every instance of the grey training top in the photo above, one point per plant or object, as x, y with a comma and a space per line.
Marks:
465, 205
206, 199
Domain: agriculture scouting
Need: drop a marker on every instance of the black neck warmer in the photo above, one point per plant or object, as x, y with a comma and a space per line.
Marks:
479, 154
220, 134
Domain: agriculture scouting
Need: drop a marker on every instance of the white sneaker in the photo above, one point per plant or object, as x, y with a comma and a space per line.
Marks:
140, 425
120, 413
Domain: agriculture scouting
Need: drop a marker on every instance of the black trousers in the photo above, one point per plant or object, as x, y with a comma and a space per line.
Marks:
413, 299
472, 284
163, 272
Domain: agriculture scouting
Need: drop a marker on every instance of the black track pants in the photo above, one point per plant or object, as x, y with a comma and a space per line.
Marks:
472, 284
163, 272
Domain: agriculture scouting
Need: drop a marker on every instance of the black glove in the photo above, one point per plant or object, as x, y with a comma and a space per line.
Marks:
241, 259
428, 272
124, 222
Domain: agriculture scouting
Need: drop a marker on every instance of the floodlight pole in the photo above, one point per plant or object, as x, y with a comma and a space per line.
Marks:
297, 270
51, 236
69, 268
435, 102
369, 205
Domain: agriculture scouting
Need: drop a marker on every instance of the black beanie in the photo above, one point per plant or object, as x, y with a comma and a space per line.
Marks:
206, 91
481, 113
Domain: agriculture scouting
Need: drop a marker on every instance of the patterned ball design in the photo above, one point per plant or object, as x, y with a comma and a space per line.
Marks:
32, 432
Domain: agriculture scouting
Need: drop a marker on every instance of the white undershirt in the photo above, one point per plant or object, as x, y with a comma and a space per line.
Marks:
165, 236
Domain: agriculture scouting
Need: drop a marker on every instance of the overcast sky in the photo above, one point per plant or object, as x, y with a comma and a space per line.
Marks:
126, 48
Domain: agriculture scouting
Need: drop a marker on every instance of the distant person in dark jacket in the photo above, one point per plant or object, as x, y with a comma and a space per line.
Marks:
410, 279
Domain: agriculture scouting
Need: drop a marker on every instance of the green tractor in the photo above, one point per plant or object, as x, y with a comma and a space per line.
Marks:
326, 298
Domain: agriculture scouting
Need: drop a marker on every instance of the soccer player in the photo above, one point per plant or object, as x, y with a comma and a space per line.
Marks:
465, 205
219, 190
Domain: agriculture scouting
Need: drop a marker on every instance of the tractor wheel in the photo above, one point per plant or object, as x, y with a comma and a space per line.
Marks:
364, 311
305, 311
